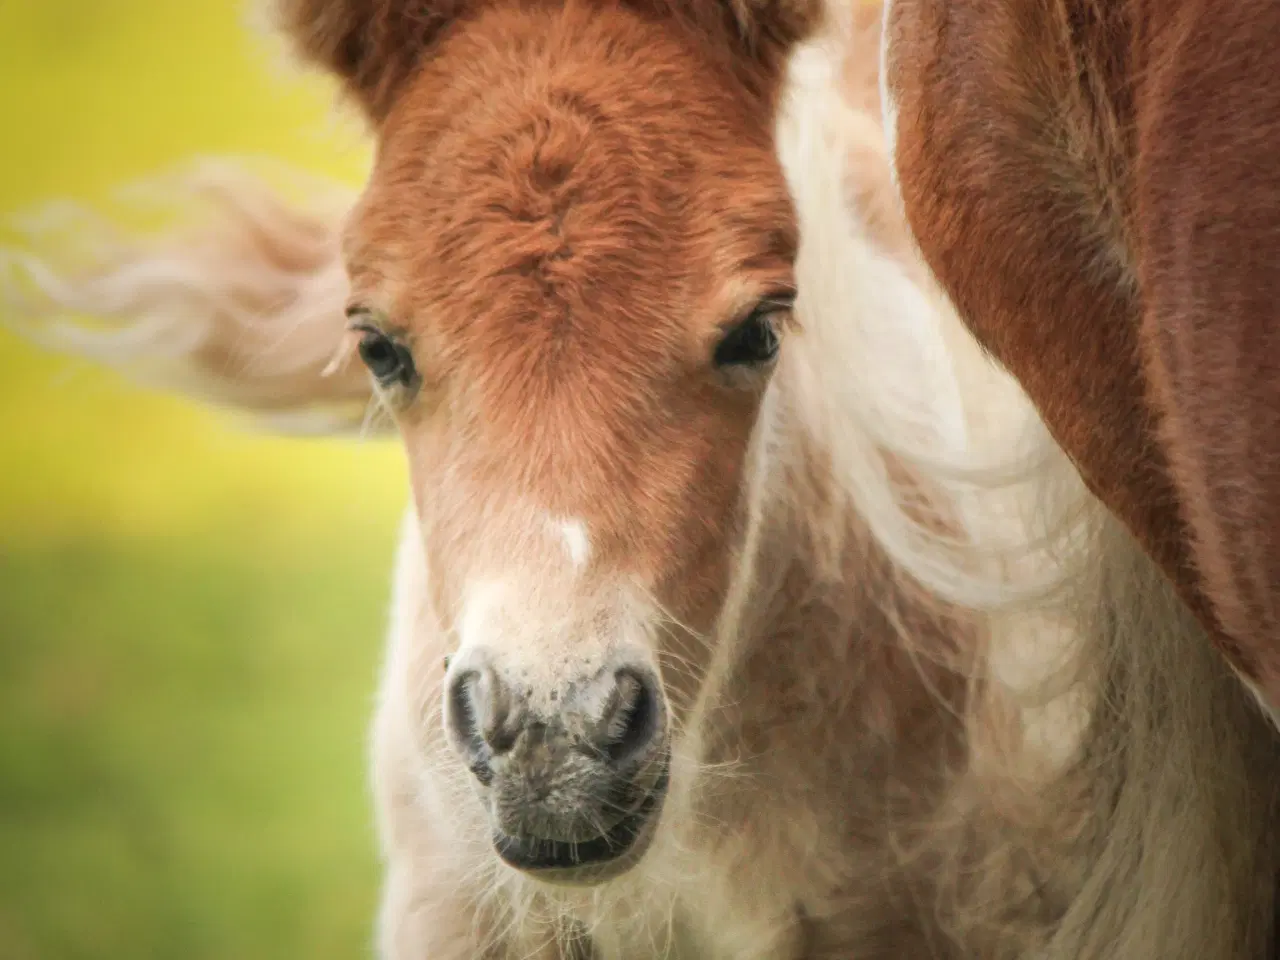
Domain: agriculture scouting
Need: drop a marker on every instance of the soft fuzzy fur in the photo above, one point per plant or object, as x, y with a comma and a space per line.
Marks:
946, 707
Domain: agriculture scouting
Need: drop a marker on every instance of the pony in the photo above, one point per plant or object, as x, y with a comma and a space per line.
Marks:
1092, 185
741, 608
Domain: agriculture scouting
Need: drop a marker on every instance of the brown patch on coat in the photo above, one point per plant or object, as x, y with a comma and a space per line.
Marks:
1093, 186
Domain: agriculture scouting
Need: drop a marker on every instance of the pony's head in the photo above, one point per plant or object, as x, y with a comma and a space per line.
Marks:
571, 275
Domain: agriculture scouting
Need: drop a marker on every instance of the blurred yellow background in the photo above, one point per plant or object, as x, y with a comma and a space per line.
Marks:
190, 612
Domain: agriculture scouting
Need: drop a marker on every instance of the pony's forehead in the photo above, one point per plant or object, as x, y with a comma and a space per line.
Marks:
527, 100
538, 212
565, 211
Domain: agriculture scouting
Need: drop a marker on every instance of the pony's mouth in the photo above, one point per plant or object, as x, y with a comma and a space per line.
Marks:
589, 861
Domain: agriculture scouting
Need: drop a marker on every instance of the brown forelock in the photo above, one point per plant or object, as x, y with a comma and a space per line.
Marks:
568, 204
1014, 134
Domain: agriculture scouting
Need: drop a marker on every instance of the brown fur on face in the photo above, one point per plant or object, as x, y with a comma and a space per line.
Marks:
1093, 185
569, 207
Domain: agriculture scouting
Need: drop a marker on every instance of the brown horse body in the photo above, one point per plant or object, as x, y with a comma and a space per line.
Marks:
1095, 186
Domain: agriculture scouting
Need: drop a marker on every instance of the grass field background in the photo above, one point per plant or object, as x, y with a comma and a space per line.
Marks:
190, 612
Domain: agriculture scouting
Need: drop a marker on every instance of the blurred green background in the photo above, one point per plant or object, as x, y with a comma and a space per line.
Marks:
190, 613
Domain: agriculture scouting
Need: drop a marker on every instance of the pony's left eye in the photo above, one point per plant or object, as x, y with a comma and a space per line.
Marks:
389, 362
754, 340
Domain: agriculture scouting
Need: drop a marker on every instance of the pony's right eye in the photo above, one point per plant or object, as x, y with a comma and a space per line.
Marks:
389, 362
753, 341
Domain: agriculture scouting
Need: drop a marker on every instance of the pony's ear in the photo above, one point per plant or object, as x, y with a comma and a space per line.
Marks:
372, 46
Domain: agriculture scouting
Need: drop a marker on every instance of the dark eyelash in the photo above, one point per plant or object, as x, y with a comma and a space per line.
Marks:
753, 341
388, 360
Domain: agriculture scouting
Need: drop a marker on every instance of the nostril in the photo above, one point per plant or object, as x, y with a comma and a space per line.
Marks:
633, 719
465, 725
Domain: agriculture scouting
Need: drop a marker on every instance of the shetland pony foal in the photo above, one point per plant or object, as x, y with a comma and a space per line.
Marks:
653, 688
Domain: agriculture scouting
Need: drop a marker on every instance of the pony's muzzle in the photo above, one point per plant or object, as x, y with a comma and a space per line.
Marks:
575, 776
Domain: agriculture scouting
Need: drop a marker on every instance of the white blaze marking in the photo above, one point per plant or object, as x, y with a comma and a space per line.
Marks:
574, 533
